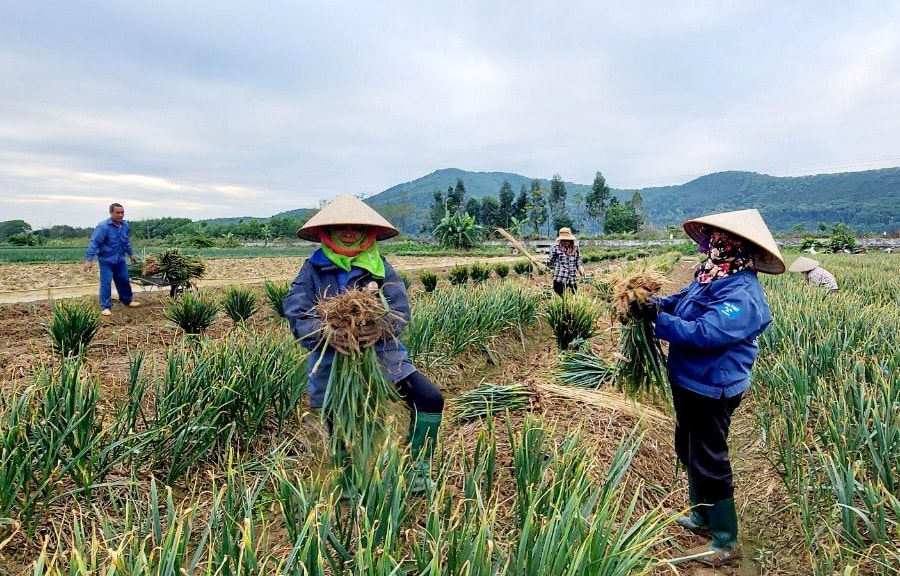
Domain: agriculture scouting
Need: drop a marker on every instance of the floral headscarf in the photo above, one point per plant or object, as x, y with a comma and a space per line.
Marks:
728, 254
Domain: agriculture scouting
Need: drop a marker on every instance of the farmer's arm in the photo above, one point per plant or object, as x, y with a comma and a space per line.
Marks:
730, 316
300, 308
94, 245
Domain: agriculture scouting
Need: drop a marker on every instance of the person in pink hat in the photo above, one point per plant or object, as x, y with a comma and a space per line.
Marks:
712, 326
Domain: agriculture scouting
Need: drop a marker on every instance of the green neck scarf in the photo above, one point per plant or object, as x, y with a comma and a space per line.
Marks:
368, 259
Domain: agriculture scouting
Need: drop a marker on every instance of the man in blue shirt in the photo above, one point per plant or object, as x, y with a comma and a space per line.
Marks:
109, 244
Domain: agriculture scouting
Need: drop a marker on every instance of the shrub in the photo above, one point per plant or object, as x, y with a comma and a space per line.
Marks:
72, 327
459, 275
458, 231
572, 318
429, 280
501, 269
479, 272
239, 303
523, 267
192, 313
275, 294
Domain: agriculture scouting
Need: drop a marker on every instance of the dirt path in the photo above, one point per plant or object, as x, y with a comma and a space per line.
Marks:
36, 282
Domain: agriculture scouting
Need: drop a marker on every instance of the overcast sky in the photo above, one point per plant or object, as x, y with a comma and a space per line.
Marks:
211, 108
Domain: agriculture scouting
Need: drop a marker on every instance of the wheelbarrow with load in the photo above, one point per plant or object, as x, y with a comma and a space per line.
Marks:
171, 269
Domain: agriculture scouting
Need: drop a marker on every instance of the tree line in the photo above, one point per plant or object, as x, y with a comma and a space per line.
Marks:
536, 211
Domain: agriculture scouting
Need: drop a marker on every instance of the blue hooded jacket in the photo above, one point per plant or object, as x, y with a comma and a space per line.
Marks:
319, 277
712, 329
109, 243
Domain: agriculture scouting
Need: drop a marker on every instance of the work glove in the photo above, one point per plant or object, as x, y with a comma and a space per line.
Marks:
647, 310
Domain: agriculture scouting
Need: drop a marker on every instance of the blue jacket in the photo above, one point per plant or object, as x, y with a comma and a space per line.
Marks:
318, 276
711, 329
109, 243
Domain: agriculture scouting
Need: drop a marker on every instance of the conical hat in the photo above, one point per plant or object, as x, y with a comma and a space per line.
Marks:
749, 225
803, 264
347, 209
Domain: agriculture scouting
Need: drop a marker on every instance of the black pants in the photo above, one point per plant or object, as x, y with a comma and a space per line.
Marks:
560, 287
421, 394
701, 442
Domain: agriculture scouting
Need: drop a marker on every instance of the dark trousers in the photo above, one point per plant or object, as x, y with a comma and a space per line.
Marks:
701, 442
421, 394
560, 287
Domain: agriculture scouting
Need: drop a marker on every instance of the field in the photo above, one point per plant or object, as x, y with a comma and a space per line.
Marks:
160, 453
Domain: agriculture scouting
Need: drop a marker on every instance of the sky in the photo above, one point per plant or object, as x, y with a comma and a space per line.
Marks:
217, 108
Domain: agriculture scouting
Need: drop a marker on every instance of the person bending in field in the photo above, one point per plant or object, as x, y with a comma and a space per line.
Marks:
814, 274
348, 258
565, 262
712, 327
110, 244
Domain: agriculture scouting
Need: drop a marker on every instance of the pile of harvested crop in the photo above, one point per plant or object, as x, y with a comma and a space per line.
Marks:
174, 265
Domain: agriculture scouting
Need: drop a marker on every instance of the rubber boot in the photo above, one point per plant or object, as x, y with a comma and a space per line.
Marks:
723, 528
698, 519
423, 432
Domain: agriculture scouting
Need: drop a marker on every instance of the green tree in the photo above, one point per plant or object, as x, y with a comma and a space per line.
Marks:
505, 208
539, 213
620, 218
637, 205
597, 200
558, 195
520, 208
10, 227
438, 209
490, 212
473, 207
563, 220
456, 197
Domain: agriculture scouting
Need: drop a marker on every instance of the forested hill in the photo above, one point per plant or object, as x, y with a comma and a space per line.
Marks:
867, 201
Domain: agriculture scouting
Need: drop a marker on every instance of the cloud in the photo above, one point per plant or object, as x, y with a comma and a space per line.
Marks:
211, 109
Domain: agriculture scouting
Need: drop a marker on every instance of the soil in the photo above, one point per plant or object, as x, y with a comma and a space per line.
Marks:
767, 532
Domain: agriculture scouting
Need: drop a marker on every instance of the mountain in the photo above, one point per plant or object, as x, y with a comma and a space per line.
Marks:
867, 201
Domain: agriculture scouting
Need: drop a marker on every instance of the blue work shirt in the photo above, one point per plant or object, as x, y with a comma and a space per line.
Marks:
318, 278
712, 329
109, 243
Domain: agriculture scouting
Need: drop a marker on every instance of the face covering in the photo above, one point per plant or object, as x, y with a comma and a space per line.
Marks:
728, 255
363, 254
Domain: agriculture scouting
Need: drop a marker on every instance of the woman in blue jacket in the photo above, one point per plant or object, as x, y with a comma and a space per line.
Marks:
712, 326
348, 230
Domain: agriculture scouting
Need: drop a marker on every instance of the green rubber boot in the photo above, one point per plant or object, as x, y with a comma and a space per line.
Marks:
698, 519
423, 432
723, 528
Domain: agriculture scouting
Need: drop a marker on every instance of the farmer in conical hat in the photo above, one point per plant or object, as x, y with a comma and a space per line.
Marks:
565, 261
712, 326
814, 274
348, 258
